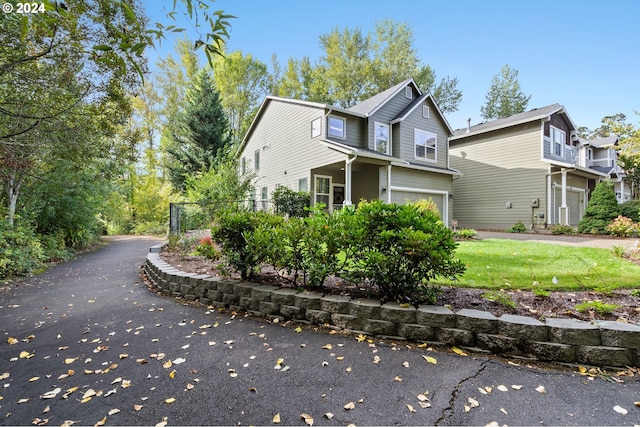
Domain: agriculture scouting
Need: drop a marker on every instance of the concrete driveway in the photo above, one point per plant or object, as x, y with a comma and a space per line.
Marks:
87, 343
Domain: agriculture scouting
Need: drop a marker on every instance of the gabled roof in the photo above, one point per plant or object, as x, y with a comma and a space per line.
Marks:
417, 102
516, 119
371, 105
609, 141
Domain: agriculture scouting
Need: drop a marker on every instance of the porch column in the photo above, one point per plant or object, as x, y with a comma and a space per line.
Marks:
564, 209
389, 183
621, 190
347, 182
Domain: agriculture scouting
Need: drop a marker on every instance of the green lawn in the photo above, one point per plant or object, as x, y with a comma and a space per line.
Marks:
510, 264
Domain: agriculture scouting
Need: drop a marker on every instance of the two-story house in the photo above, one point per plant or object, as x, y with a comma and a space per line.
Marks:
601, 154
392, 146
526, 167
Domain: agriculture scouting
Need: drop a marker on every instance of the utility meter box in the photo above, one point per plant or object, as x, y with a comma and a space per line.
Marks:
535, 203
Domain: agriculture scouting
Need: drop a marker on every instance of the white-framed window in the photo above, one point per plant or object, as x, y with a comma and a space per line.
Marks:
322, 190
558, 139
426, 145
264, 196
256, 160
381, 141
589, 153
408, 92
303, 184
316, 127
337, 127
425, 111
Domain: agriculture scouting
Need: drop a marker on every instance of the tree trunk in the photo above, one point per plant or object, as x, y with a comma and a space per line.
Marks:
13, 189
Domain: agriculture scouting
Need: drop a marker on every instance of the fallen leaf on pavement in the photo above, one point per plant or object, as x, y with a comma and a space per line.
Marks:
430, 359
12, 340
329, 415
327, 347
137, 407
541, 389
397, 378
51, 394
516, 387
170, 400
410, 408
503, 411
32, 379
376, 359
307, 419
276, 419
113, 411
473, 402
349, 406
502, 388
101, 422
457, 351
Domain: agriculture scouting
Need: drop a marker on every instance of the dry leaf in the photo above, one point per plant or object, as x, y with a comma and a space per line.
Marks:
620, 410
167, 364
298, 329
410, 408
516, 387
101, 422
32, 379
70, 360
482, 390
376, 359
348, 369
23, 400
46, 409
178, 361
137, 407
113, 411
329, 415
430, 359
397, 378
162, 423
327, 347
51, 394
110, 392
125, 383
89, 393
541, 389
25, 355
473, 403
405, 364
350, 405
422, 398
502, 388
457, 351
307, 419
637, 403
12, 340
504, 411
4, 375
276, 419
170, 400
117, 380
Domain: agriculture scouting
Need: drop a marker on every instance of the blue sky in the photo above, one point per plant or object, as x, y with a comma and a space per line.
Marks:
582, 54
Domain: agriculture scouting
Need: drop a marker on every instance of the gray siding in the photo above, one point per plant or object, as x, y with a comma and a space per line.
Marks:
356, 131
406, 147
287, 151
500, 169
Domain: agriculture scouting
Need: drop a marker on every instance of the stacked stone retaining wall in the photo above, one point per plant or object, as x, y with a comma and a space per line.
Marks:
599, 343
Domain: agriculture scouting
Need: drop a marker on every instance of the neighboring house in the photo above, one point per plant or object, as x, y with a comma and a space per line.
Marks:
526, 167
601, 154
392, 146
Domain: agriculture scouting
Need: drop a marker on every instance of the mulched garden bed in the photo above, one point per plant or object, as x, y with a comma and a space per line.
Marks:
557, 304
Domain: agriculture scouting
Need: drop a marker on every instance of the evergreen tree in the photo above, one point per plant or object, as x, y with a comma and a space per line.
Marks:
602, 209
505, 96
202, 134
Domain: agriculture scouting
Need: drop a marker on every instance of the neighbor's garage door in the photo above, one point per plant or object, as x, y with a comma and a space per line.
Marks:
575, 206
401, 197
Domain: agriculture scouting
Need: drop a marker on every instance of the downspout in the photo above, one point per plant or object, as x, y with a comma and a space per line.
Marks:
347, 179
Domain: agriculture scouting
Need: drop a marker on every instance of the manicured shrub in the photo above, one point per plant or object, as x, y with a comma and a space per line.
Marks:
562, 229
207, 248
622, 226
602, 209
399, 249
631, 209
518, 227
291, 203
245, 238
465, 233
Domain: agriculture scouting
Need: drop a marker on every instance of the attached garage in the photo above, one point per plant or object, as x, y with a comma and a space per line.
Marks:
402, 196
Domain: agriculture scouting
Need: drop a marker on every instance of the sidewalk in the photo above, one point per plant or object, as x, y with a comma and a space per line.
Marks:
605, 242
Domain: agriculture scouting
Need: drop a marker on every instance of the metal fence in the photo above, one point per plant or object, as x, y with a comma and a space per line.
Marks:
185, 216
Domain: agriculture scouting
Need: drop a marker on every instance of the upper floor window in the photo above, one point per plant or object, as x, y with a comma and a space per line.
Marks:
316, 127
337, 127
381, 138
558, 139
425, 143
425, 111
589, 153
256, 160
408, 92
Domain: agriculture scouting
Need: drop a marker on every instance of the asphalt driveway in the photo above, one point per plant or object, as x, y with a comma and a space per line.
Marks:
87, 343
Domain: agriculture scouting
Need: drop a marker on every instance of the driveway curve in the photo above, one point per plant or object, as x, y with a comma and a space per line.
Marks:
87, 343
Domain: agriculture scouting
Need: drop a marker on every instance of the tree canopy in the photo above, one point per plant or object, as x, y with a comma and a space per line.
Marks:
505, 96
